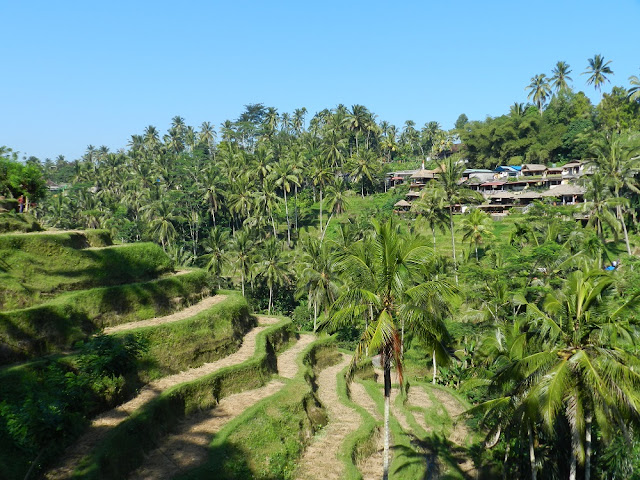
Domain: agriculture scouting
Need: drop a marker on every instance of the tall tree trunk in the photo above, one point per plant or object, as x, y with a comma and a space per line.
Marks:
321, 208
295, 207
242, 281
573, 466
587, 444
435, 367
386, 363
273, 224
453, 243
532, 454
624, 228
433, 231
315, 315
505, 469
270, 298
325, 228
477, 252
286, 209
362, 186
402, 338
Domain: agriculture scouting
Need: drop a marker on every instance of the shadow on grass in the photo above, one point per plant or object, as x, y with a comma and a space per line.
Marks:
440, 455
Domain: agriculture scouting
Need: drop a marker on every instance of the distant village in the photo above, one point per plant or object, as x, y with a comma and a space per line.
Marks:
504, 188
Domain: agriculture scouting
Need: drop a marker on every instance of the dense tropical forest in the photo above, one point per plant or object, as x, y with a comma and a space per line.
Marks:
530, 319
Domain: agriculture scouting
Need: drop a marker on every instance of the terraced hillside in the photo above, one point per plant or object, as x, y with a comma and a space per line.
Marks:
137, 371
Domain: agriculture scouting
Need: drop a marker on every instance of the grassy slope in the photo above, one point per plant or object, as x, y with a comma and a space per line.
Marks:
35, 268
189, 343
124, 448
58, 324
268, 438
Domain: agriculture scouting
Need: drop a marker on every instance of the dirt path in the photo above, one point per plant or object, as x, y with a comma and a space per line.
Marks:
287, 361
320, 460
105, 422
174, 317
370, 467
188, 446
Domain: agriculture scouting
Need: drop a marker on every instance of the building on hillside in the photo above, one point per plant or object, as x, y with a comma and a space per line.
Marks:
573, 169
479, 173
398, 178
402, 206
507, 171
494, 186
525, 198
533, 169
422, 177
566, 194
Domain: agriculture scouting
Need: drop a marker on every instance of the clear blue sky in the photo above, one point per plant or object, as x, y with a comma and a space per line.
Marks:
76, 73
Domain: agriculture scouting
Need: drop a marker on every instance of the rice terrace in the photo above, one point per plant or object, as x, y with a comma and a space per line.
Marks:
321, 294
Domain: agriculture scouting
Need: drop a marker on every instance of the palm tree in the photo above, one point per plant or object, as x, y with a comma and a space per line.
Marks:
476, 226
216, 246
365, 166
275, 268
162, 217
242, 247
385, 276
454, 193
336, 200
597, 69
267, 200
583, 369
321, 175
431, 208
634, 91
318, 278
618, 158
283, 178
539, 90
560, 76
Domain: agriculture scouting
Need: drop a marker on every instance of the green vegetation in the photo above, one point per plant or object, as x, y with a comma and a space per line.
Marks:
37, 268
533, 319
56, 325
45, 404
204, 337
14, 222
125, 446
267, 439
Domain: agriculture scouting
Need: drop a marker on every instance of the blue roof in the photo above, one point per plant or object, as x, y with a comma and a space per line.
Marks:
503, 168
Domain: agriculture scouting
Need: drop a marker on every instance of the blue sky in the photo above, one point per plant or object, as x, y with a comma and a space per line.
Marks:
82, 72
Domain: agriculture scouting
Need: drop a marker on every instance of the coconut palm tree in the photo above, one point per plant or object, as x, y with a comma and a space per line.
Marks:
365, 165
318, 278
634, 91
385, 276
321, 175
539, 90
161, 218
597, 69
560, 76
274, 268
431, 208
284, 179
337, 200
242, 248
216, 245
618, 159
583, 369
476, 227
454, 194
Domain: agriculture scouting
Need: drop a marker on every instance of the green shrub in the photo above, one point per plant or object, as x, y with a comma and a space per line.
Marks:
16, 222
